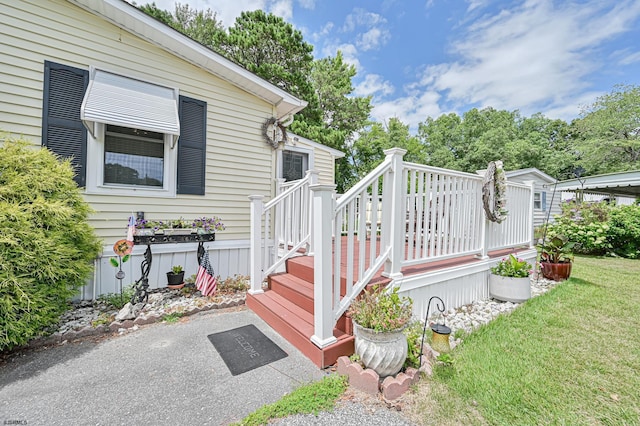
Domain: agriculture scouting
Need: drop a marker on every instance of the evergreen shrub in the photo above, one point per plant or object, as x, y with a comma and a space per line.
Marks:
47, 247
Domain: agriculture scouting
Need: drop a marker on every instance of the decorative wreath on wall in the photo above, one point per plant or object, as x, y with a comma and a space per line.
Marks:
494, 192
273, 132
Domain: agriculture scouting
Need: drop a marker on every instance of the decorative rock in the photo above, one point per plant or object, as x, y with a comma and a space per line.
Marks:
128, 312
127, 324
86, 331
115, 326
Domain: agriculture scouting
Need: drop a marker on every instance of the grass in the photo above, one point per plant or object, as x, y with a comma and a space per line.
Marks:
570, 356
172, 317
311, 398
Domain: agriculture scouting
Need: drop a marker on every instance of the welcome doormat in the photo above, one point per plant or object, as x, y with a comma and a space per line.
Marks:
245, 348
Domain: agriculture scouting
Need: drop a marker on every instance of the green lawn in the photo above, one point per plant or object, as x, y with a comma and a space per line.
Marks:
571, 356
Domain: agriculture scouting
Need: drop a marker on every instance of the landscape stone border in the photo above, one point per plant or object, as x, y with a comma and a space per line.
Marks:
121, 327
391, 387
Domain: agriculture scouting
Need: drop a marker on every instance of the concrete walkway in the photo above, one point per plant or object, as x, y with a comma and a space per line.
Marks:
162, 374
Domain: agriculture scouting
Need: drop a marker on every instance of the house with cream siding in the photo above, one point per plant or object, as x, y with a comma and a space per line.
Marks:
155, 124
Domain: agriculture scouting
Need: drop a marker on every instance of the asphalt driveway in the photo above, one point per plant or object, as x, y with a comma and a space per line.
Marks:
162, 374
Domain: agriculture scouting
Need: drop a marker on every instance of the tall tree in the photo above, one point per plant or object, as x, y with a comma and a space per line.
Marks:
340, 115
368, 149
201, 25
273, 49
469, 142
608, 131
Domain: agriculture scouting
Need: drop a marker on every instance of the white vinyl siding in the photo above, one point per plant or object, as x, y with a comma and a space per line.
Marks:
239, 162
540, 186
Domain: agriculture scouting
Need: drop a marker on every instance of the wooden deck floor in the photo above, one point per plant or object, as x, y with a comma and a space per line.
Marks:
421, 268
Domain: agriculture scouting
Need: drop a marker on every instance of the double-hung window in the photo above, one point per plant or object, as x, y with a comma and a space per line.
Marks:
540, 201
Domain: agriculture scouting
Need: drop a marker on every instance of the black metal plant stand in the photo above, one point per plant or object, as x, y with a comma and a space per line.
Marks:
141, 287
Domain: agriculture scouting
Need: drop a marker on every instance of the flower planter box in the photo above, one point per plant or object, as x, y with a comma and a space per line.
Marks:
509, 289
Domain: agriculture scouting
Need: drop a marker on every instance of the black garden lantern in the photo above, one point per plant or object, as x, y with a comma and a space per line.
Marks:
440, 340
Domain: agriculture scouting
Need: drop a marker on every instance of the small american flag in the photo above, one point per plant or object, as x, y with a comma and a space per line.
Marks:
205, 281
131, 229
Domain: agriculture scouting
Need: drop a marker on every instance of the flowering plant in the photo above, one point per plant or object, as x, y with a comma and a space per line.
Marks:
381, 310
213, 223
557, 250
512, 267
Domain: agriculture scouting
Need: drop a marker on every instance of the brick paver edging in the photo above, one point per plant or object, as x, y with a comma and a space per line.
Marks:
392, 387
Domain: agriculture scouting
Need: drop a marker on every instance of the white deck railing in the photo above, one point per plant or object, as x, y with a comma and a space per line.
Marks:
444, 215
280, 228
400, 214
518, 228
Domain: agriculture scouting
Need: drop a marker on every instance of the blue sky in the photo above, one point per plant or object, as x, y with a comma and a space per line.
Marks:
422, 58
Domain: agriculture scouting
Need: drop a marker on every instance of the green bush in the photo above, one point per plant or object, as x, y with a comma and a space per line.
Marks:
598, 228
624, 231
46, 245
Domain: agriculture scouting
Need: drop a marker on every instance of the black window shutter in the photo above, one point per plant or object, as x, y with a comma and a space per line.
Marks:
192, 146
62, 129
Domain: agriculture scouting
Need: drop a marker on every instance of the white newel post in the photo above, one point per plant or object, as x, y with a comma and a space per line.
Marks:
257, 206
323, 212
313, 180
394, 211
531, 185
484, 235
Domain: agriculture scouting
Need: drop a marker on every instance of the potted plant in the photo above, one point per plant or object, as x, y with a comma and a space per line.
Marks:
379, 318
556, 257
509, 280
175, 277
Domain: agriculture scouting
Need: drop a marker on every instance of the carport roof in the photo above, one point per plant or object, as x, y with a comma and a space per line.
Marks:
622, 184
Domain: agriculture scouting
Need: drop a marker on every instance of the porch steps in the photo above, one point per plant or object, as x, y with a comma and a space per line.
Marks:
287, 306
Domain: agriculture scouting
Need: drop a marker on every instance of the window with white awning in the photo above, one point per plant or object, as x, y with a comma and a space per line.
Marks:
114, 99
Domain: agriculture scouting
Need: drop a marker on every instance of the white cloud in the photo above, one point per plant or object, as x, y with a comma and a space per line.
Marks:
534, 57
307, 4
410, 110
373, 38
374, 85
630, 59
476, 4
349, 53
361, 18
324, 31
282, 8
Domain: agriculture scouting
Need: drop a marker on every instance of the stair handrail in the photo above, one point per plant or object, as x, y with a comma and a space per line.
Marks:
274, 239
329, 305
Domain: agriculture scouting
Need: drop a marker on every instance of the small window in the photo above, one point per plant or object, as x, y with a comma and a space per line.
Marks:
537, 201
133, 157
294, 165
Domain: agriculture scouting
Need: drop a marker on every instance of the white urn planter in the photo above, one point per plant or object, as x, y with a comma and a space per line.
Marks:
382, 351
509, 289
